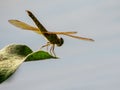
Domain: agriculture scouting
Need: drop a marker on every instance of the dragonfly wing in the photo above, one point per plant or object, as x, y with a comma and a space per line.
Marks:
72, 32
22, 25
25, 26
77, 37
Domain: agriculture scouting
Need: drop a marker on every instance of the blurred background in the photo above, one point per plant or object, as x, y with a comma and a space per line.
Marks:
82, 65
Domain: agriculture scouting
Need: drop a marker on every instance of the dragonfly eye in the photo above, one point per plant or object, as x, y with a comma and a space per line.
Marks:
61, 41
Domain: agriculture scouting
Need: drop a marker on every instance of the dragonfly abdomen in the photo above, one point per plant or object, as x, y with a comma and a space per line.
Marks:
52, 38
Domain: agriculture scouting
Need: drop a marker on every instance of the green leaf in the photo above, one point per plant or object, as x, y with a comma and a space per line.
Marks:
39, 55
12, 56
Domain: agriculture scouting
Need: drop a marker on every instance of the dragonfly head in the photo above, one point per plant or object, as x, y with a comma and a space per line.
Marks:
61, 41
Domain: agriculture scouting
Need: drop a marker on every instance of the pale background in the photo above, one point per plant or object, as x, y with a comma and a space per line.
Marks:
82, 65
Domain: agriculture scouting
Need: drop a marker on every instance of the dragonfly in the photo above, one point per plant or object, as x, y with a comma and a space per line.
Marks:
52, 37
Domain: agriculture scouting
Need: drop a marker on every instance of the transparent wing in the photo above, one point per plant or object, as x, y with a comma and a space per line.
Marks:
72, 32
22, 25
77, 37
25, 26
56, 32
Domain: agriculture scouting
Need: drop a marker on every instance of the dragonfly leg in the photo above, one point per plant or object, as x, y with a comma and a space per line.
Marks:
48, 44
52, 50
